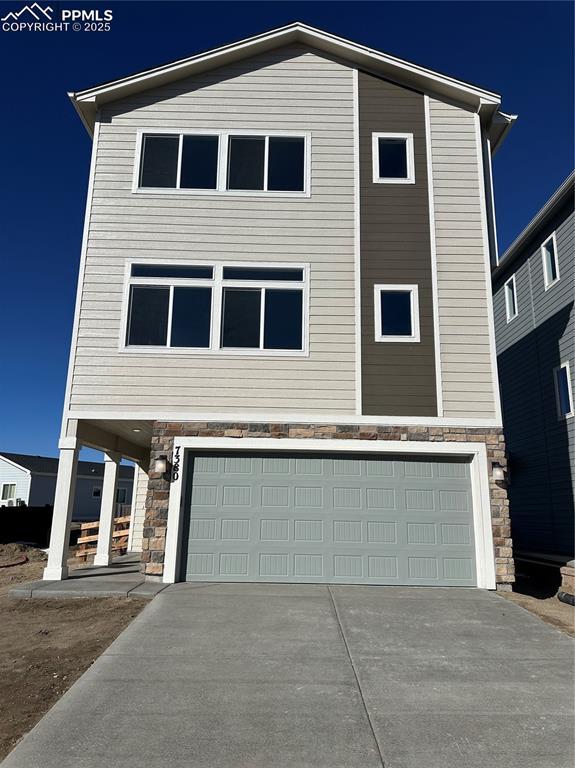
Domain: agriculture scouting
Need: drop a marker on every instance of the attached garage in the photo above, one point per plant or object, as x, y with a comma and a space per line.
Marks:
344, 518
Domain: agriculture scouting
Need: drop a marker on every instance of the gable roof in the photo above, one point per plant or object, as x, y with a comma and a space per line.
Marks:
537, 223
48, 465
486, 103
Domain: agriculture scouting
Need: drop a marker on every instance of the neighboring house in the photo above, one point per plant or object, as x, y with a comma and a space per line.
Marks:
284, 317
534, 293
31, 480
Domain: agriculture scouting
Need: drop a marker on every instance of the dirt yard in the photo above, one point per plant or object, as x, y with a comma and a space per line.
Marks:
45, 645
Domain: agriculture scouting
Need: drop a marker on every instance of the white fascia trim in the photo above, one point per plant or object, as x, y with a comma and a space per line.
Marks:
434, 278
297, 33
479, 485
357, 244
487, 269
14, 464
280, 417
80, 287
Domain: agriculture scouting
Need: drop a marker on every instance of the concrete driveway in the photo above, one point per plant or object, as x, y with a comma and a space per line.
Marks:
270, 676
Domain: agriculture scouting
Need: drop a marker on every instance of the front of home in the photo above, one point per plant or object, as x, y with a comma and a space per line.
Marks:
284, 317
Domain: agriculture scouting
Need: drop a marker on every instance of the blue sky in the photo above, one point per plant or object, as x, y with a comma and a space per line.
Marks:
523, 50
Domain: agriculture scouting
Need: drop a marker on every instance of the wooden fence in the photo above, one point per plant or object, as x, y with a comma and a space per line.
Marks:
88, 540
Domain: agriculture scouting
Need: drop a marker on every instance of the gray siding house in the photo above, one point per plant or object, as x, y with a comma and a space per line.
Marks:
533, 295
31, 481
284, 318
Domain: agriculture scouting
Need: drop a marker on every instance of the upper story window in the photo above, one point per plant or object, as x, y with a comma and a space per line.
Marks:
550, 263
510, 290
237, 163
563, 391
396, 313
216, 308
393, 158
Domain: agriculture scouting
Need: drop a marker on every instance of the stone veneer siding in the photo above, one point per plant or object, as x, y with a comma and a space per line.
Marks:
154, 537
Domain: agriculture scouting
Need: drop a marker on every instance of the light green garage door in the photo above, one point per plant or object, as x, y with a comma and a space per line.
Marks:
328, 518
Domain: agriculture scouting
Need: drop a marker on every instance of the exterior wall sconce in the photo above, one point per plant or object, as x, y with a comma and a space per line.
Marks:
161, 465
497, 472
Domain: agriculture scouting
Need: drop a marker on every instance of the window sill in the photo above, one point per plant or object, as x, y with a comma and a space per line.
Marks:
393, 181
155, 192
550, 285
398, 339
213, 353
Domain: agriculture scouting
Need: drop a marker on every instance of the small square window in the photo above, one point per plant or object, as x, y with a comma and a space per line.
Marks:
510, 289
159, 168
393, 158
396, 313
96, 492
563, 391
550, 265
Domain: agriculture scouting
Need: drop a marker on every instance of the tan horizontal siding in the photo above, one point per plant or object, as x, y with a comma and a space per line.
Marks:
466, 365
292, 89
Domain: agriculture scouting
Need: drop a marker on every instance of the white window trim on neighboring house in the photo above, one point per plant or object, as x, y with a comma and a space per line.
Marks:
510, 289
222, 167
556, 371
217, 284
5, 502
477, 452
413, 290
410, 178
549, 282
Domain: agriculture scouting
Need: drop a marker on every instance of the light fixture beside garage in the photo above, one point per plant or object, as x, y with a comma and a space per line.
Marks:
497, 472
161, 465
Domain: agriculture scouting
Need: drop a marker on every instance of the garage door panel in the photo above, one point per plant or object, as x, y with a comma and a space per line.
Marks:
349, 519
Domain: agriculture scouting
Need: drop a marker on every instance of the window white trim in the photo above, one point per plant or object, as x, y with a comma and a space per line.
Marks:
556, 371
414, 301
510, 291
217, 284
222, 170
377, 179
9, 501
477, 453
549, 281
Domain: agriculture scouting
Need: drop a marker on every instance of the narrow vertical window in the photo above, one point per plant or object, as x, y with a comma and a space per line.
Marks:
563, 391
148, 316
246, 162
286, 164
159, 166
199, 169
550, 265
510, 299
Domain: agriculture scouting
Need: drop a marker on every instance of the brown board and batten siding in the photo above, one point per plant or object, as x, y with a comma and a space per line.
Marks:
398, 379
289, 89
467, 366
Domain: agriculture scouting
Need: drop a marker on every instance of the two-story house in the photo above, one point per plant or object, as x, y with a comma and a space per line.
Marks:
284, 317
534, 295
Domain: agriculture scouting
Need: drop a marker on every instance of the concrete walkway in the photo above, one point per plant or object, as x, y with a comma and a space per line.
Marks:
122, 578
271, 676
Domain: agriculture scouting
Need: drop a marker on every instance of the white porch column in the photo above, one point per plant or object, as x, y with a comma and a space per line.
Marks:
57, 566
107, 508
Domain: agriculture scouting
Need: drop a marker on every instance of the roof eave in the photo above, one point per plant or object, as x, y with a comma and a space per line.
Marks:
87, 101
555, 202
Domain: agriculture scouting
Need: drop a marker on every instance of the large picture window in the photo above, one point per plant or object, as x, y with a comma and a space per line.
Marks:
217, 308
223, 162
